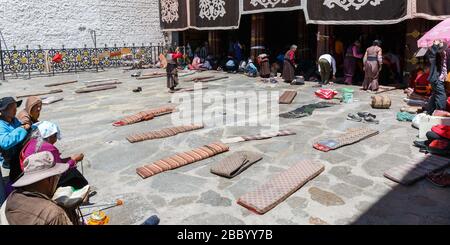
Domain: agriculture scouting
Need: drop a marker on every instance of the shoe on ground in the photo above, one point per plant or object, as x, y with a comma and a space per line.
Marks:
153, 220
366, 114
371, 120
420, 144
354, 117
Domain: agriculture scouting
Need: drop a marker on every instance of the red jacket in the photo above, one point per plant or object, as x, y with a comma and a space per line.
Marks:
442, 130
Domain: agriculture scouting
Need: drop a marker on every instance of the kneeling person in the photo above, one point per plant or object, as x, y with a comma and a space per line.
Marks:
327, 67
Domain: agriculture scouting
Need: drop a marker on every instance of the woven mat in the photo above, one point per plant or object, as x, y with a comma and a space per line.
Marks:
145, 115
163, 133
351, 136
94, 89
280, 187
235, 164
287, 97
182, 159
409, 173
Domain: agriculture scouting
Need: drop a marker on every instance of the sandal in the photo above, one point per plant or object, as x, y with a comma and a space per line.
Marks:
366, 114
371, 120
420, 144
354, 117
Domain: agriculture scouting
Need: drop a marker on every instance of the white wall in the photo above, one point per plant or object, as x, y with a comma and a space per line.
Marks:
52, 23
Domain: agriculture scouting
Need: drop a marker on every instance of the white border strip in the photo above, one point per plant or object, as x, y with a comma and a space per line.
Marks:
270, 10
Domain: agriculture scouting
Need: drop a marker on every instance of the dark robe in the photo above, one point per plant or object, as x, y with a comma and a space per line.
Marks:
288, 67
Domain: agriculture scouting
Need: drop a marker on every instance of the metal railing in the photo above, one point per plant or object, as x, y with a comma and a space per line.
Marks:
34, 62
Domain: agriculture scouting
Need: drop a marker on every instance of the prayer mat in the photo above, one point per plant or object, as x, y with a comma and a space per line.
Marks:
280, 187
95, 89
55, 91
412, 109
211, 80
145, 115
384, 89
419, 103
150, 77
163, 133
198, 79
287, 97
103, 84
235, 164
410, 173
101, 80
351, 136
306, 110
51, 100
183, 90
60, 83
262, 136
181, 159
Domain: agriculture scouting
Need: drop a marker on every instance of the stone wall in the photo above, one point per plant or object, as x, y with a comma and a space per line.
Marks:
52, 24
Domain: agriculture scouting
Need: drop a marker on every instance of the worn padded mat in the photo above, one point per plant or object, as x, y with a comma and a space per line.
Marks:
417, 169
182, 159
280, 187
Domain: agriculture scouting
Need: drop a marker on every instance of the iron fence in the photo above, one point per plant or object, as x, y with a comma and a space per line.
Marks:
32, 62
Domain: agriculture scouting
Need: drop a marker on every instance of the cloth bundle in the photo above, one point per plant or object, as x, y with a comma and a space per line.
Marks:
326, 94
145, 115
306, 110
405, 116
235, 164
351, 136
280, 187
287, 97
181, 159
163, 133
381, 102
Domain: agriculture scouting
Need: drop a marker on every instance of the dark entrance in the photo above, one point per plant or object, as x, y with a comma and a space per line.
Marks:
394, 41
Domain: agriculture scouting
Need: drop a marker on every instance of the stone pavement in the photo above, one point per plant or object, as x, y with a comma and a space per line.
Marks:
351, 190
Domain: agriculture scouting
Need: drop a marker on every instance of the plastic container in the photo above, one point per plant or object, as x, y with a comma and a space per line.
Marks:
347, 95
98, 218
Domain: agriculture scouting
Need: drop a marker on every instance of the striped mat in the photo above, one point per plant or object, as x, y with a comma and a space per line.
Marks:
182, 159
145, 115
280, 187
287, 97
163, 133
351, 136
416, 170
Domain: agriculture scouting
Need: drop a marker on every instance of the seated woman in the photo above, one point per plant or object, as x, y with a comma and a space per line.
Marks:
30, 115
251, 69
196, 64
47, 135
230, 65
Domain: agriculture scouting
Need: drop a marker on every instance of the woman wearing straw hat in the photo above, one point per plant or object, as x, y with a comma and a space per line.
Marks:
30, 203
